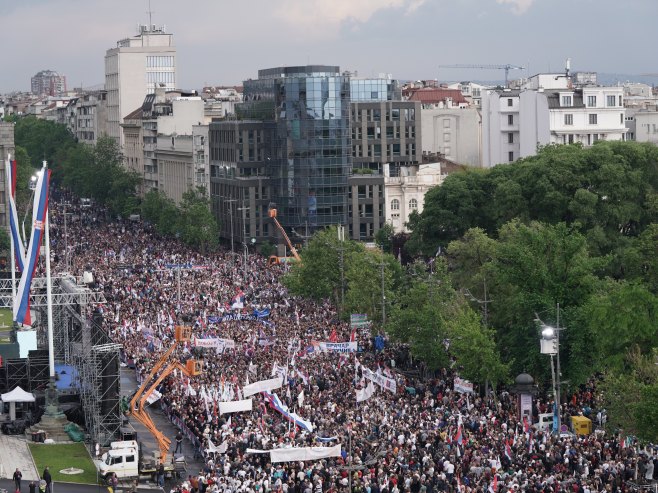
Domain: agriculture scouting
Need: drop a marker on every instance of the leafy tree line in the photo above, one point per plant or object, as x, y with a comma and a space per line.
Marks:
192, 222
416, 305
570, 226
97, 172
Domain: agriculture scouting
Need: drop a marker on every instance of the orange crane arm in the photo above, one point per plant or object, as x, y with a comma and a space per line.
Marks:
285, 237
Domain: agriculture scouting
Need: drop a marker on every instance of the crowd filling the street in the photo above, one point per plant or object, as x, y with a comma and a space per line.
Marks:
395, 431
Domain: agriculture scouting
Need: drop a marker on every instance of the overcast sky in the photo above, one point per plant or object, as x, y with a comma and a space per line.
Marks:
227, 41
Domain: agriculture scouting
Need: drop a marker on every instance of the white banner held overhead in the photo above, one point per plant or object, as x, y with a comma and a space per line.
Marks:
215, 342
365, 394
381, 380
463, 386
235, 406
304, 453
333, 347
262, 386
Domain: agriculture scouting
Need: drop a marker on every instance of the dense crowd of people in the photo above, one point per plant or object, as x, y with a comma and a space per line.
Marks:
422, 438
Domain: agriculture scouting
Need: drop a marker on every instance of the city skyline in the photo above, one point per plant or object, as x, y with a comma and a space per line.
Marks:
223, 44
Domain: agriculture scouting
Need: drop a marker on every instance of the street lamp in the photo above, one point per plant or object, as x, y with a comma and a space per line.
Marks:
550, 344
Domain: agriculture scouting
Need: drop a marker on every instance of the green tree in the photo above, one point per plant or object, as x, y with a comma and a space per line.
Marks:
474, 348
197, 224
631, 395
42, 139
363, 276
384, 237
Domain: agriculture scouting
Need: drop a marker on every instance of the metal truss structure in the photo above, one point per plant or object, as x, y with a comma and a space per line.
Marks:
78, 341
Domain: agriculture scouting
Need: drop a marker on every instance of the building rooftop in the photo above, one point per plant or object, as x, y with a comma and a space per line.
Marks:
429, 95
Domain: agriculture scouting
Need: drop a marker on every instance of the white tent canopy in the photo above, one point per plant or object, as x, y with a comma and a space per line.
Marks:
16, 395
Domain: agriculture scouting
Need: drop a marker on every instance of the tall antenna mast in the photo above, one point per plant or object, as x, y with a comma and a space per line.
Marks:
150, 13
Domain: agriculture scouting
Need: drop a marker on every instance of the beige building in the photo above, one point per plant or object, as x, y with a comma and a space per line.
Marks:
453, 132
158, 142
406, 193
135, 68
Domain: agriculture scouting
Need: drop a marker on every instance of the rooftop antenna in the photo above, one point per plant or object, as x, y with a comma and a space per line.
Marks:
150, 13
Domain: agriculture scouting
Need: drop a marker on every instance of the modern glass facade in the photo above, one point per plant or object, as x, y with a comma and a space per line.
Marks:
375, 90
311, 155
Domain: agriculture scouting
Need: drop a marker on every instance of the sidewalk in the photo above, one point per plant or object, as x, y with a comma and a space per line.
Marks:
16, 454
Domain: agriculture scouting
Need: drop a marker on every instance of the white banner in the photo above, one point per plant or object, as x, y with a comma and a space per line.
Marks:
154, 397
235, 406
333, 347
263, 385
256, 451
304, 453
381, 380
218, 450
216, 342
365, 394
463, 386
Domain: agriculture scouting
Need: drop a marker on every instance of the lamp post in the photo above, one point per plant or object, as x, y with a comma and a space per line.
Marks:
550, 344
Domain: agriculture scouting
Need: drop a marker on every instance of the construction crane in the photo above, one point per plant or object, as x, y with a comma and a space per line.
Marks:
507, 67
274, 259
163, 368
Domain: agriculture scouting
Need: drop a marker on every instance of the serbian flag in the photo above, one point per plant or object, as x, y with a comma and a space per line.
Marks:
353, 335
526, 425
459, 436
237, 303
508, 450
333, 337
39, 218
19, 248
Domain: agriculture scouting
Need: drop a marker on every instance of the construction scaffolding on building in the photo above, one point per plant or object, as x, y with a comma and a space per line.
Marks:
79, 341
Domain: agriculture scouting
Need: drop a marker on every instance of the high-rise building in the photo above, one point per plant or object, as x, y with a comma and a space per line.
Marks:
48, 83
311, 141
293, 136
136, 67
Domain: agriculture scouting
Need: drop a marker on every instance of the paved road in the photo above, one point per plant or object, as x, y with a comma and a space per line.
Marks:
8, 484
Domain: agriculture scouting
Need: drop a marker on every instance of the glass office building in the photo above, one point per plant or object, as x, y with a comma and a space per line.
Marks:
364, 90
310, 157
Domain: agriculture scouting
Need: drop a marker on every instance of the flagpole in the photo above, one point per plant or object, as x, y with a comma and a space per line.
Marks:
49, 290
11, 241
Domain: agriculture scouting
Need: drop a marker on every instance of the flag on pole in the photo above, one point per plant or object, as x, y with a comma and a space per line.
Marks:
19, 247
39, 219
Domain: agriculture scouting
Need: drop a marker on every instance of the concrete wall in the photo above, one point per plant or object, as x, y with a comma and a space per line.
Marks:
454, 132
646, 126
534, 122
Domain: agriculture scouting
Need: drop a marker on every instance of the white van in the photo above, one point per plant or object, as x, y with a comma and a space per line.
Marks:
545, 422
122, 459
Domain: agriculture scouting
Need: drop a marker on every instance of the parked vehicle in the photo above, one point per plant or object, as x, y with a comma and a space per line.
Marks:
126, 460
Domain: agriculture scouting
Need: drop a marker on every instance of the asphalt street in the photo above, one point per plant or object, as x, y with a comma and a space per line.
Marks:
8, 484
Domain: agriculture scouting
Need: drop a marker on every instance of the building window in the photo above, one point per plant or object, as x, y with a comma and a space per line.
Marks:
413, 204
566, 101
620, 100
621, 118
610, 100
446, 123
510, 138
593, 119
395, 205
510, 156
510, 119
568, 119
591, 101
510, 102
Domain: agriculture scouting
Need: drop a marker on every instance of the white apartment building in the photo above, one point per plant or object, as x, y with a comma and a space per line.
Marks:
548, 110
472, 91
201, 153
135, 68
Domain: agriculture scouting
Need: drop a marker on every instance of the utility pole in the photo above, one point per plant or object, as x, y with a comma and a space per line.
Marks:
230, 202
341, 250
383, 292
558, 376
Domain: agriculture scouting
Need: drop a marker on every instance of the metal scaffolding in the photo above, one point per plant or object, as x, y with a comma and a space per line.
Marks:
81, 342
